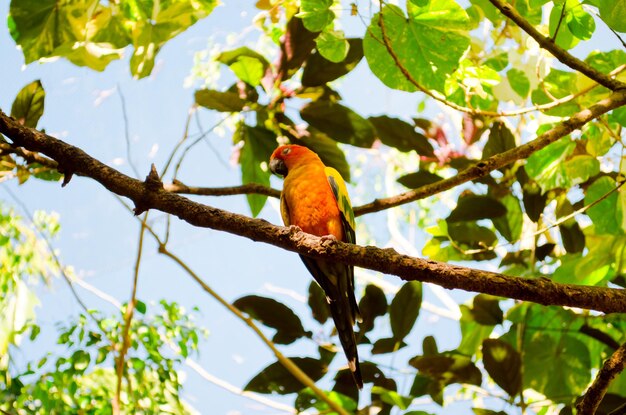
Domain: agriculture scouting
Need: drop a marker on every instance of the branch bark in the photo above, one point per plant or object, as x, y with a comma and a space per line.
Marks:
146, 195
561, 54
497, 161
612, 367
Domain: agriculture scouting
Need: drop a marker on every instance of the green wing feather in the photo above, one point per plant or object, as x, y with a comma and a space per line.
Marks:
338, 186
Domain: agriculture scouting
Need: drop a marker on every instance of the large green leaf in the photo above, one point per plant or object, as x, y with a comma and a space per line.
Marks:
317, 302
558, 84
475, 207
405, 308
339, 123
547, 166
160, 22
472, 332
28, 105
419, 179
332, 45
273, 314
319, 70
373, 304
401, 135
500, 140
276, 379
504, 365
613, 12
50, 28
428, 43
607, 215
448, 368
228, 101
248, 65
559, 368
510, 225
257, 149
316, 14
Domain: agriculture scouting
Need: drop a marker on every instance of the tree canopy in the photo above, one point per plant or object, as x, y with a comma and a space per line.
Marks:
504, 179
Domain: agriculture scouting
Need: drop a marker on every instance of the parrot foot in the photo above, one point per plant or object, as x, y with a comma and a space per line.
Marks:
328, 240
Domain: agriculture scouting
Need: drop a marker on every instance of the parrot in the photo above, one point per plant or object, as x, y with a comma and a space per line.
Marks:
315, 199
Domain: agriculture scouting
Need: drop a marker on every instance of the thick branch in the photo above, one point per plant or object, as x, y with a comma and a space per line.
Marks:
613, 366
540, 290
561, 54
497, 161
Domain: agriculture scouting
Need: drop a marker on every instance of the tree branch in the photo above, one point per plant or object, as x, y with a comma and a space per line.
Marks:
497, 161
179, 187
561, 54
147, 196
612, 367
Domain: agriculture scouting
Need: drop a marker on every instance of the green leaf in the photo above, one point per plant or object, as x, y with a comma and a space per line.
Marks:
472, 333
316, 14
613, 12
498, 62
405, 308
568, 361
473, 236
486, 310
339, 123
534, 201
162, 21
519, 82
28, 105
317, 302
429, 346
500, 140
373, 304
558, 84
607, 215
248, 65
417, 42
259, 144
475, 207
49, 28
510, 225
504, 364
419, 179
579, 22
228, 101
273, 314
392, 397
328, 151
387, 345
276, 379
451, 368
308, 399
140, 306
401, 135
558, 20
80, 360
481, 411
547, 166
318, 70
332, 45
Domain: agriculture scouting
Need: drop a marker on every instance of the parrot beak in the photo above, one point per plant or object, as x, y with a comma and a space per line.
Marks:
278, 166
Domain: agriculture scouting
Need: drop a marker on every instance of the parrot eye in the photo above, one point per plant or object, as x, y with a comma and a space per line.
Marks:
286, 151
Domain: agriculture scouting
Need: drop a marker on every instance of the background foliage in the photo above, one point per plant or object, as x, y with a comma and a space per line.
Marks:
559, 214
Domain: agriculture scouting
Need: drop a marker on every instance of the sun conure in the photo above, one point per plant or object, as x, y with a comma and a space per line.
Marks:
315, 198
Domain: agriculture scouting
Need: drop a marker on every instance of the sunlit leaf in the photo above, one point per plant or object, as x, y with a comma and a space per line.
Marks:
28, 105
332, 45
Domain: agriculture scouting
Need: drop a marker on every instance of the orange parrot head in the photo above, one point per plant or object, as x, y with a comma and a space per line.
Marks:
286, 157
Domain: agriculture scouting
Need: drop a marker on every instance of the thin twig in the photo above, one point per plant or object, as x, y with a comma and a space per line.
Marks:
128, 317
561, 54
612, 367
126, 131
179, 187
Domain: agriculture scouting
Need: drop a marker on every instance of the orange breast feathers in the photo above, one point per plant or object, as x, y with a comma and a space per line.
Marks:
311, 203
